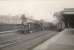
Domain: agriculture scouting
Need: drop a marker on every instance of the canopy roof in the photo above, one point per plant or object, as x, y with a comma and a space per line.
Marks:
68, 11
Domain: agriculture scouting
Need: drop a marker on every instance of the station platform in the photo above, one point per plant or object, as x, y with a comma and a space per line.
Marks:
62, 41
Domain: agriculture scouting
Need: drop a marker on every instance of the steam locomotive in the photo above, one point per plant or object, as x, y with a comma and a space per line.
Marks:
68, 19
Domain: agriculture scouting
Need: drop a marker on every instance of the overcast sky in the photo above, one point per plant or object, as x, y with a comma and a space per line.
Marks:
38, 9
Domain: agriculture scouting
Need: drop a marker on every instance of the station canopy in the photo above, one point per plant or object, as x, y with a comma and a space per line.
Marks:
68, 11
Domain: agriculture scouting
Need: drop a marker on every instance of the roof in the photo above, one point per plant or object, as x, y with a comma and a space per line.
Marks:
68, 11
